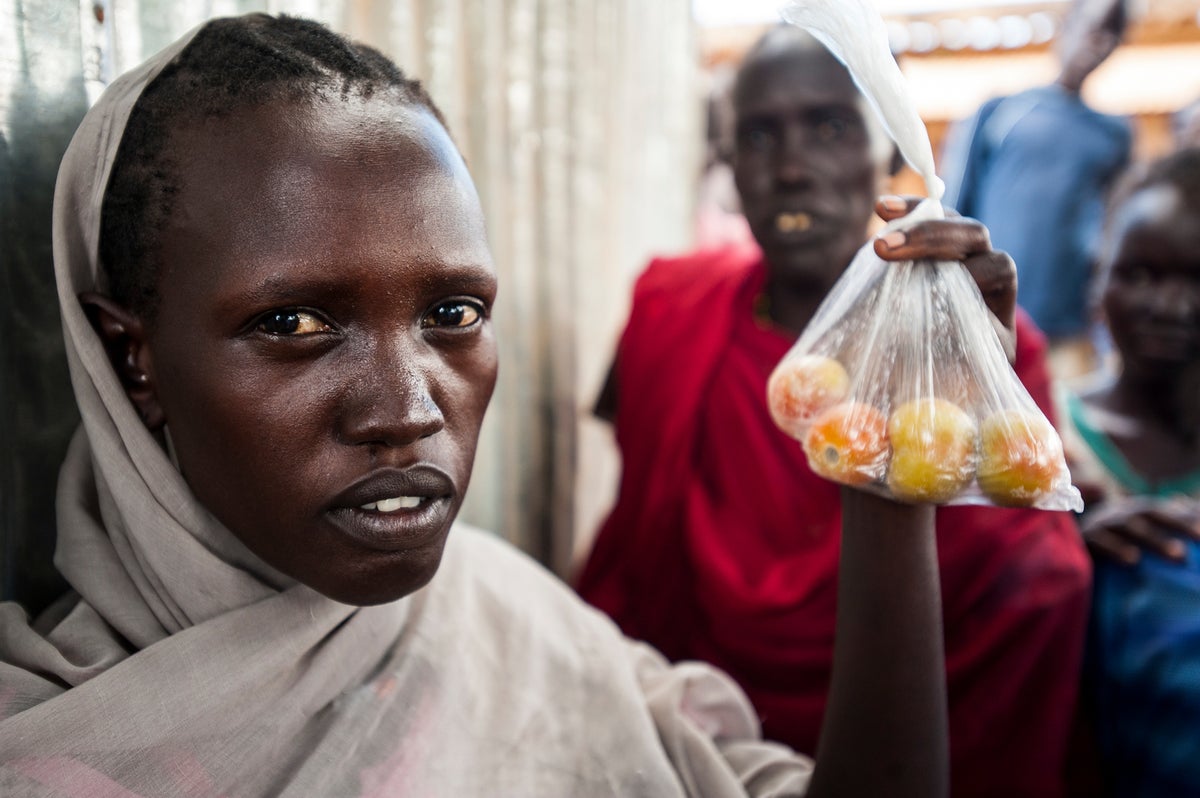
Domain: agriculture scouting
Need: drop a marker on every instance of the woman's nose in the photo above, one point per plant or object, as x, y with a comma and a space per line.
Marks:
793, 166
392, 400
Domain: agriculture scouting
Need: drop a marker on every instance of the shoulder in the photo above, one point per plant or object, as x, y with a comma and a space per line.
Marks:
695, 274
676, 296
1120, 127
992, 104
1117, 130
487, 561
485, 577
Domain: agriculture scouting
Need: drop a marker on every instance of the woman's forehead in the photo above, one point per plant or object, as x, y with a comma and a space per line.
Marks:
1153, 207
321, 188
795, 79
286, 164
349, 128
1159, 222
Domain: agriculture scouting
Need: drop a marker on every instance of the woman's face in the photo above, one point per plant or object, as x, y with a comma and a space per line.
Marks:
323, 351
803, 150
1152, 295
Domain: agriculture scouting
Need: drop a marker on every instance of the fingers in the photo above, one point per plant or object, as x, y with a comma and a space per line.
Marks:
996, 275
941, 239
1146, 533
1123, 533
966, 241
1176, 519
892, 206
1108, 545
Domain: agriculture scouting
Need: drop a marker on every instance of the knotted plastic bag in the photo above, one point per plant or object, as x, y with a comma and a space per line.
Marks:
900, 384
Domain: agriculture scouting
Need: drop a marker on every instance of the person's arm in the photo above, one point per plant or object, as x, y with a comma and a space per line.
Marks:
885, 728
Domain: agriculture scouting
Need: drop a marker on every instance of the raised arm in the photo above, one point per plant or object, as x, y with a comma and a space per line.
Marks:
885, 730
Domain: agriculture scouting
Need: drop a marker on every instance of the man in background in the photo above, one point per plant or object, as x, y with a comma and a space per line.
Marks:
1035, 168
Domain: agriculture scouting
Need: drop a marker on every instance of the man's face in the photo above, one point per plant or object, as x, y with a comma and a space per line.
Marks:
803, 163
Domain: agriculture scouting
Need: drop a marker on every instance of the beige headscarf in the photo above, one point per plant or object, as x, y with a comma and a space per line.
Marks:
147, 560
185, 666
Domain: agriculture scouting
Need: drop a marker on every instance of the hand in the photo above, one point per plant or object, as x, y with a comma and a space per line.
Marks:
957, 239
1122, 529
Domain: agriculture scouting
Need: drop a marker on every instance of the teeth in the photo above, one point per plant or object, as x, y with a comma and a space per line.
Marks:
392, 505
790, 222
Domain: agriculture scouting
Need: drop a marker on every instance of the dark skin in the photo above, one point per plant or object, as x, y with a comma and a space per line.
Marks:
323, 338
322, 342
1151, 300
802, 147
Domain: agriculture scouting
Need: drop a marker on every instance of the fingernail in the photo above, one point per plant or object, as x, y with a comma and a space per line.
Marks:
894, 239
893, 203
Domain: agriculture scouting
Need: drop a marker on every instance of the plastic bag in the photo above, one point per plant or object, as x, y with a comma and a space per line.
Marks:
899, 384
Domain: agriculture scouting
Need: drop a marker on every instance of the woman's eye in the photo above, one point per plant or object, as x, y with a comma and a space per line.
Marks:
453, 314
832, 129
757, 138
291, 322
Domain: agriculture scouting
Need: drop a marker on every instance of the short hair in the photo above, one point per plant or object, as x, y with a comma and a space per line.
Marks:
230, 63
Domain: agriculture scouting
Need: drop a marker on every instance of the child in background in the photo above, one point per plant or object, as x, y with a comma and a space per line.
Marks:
1136, 438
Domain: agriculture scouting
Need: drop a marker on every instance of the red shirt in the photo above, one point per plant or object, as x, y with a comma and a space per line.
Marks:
723, 545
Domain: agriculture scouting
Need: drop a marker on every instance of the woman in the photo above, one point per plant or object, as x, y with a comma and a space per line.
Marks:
276, 293
1136, 438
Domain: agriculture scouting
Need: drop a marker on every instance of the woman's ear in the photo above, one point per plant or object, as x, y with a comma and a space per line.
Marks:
124, 338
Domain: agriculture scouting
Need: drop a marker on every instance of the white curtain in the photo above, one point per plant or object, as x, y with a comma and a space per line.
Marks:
581, 123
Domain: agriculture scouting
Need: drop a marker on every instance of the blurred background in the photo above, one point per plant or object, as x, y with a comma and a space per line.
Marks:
587, 127
957, 54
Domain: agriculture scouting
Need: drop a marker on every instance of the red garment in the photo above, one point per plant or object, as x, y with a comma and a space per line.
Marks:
723, 545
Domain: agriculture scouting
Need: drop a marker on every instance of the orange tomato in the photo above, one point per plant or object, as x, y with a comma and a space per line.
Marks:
1020, 458
933, 451
802, 387
848, 443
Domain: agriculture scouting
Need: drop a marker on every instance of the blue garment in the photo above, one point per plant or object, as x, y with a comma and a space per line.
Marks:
1142, 668
1144, 675
1035, 168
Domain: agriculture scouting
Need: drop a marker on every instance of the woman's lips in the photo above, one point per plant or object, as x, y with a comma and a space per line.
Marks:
393, 504
394, 509
794, 222
395, 530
